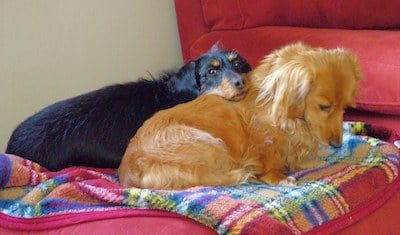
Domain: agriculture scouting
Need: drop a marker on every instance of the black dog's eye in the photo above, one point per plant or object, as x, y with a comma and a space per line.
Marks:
237, 65
325, 108
212, 71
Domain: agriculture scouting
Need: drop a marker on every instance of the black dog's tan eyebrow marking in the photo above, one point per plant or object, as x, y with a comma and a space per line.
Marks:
215, 63
232, 56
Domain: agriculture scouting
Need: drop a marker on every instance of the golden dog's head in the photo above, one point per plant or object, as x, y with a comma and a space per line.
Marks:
313, 86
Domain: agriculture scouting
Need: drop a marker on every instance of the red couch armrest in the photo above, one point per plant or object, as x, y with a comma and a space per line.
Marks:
191, 24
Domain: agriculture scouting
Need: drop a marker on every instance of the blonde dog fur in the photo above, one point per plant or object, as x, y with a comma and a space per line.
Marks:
296, 100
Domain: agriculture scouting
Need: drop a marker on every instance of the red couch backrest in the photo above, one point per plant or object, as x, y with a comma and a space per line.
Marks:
350, 14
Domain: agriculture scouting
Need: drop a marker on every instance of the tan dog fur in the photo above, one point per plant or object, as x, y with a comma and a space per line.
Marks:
296, 100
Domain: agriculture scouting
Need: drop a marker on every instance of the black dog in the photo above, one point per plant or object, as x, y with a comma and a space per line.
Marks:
94, 129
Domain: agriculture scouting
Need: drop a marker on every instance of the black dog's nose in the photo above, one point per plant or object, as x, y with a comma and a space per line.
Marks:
239, 83
236, 80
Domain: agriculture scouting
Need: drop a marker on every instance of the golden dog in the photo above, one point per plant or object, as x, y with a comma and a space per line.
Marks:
296, 100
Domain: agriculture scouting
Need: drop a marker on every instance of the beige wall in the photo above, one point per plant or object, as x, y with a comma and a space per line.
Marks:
54, 49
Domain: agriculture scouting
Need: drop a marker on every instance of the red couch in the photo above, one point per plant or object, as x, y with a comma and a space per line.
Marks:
370, 28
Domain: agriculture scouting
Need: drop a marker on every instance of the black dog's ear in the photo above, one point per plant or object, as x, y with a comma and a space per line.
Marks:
188, 76
187, 69
216, 47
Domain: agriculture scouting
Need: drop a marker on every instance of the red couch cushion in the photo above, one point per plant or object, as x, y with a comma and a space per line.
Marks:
380, 88
354, 14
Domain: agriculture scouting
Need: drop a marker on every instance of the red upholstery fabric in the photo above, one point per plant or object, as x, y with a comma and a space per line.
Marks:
128, 222
382, 221
353, 14
191, 28
380, 88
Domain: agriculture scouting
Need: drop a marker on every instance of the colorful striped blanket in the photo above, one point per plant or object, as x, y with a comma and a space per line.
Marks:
363, 170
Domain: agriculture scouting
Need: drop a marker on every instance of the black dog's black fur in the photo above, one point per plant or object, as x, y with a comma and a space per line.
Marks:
94, 129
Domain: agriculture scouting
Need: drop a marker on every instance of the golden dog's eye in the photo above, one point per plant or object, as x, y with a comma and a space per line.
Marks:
325, 108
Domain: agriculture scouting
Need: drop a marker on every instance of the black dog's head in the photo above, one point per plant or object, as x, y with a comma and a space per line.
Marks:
215, 72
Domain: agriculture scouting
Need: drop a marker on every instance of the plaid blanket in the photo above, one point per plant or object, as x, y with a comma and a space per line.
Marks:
363, 170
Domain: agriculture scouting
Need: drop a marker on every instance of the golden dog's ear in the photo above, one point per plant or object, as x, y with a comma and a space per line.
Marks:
355, 65
285, 89
352, 60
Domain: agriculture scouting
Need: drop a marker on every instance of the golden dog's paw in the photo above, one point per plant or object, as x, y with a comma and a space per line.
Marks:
290, 181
